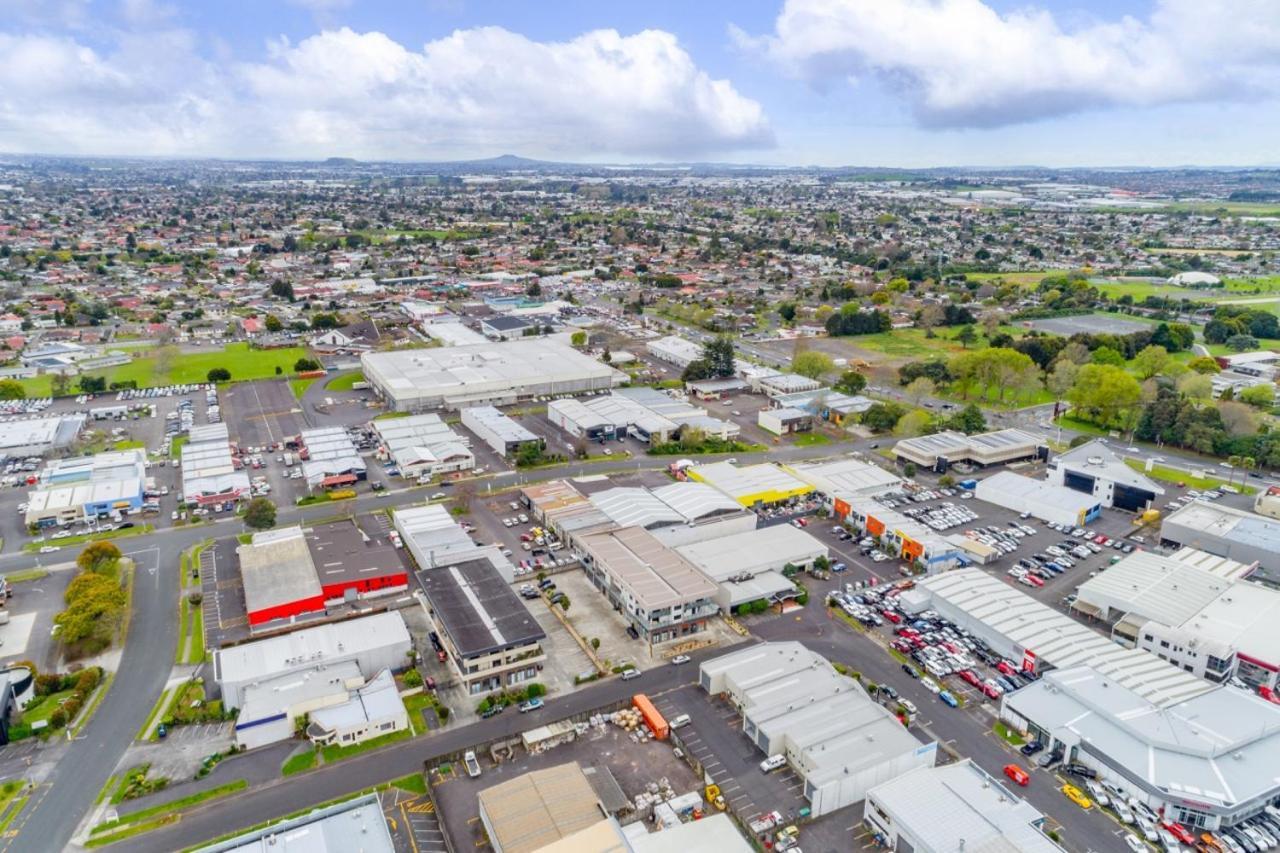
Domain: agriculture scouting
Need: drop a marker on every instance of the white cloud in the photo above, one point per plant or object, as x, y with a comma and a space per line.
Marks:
961, 63
474, 93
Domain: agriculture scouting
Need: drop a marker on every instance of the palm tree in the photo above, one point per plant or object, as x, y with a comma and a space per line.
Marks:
1248, 463
1234, 462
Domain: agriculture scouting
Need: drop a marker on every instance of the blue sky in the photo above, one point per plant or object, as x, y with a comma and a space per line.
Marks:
832, 82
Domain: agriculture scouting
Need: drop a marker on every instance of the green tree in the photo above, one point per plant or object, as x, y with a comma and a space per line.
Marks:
966, 335
851, 382
1259, 396
11, 389
719, 355
1107, 355
578, 339
260, 514
1205, 364
1195, 386
99, 557
1103, 392
324, 321
1151, 361
787, 311
913, 423
812, 364
883, 417
920, 388
968, 420
219, 374
272, 323
305, 365
1240, 343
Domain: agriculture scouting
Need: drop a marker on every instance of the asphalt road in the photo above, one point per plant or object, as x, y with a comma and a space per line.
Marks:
373, 768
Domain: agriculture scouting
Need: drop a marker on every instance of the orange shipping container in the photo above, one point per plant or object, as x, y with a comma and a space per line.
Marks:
654, 720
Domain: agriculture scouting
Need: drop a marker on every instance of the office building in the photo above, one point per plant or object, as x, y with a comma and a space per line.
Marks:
1095, 469
88, 487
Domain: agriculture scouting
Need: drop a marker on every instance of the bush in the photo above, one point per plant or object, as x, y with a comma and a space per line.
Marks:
58, 718
443, 713
564, 602
595, 643
534, 690
412, 678
219, 374
48, 683
260, 514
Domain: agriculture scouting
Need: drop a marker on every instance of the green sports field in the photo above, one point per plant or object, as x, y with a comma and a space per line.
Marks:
242, 361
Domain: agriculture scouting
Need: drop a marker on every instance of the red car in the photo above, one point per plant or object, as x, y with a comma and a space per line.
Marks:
906, 631
951, 647
901, 645
891, 616
971, 677
990, 691
1179, 831
1005, 668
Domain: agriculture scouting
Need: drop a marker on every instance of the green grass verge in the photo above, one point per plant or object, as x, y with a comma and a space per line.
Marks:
175, 446
162, 705
1175, 475
117, 796
42, 708
299, 762
300, 385
132, 830
414, 705
414, 783
386, 416
343, 382
11, 811
178, 805
26, 575
67, 542
1008, 735
811, 439
338, 753
107, 789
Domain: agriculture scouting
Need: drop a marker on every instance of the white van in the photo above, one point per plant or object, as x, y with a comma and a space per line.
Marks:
678, 722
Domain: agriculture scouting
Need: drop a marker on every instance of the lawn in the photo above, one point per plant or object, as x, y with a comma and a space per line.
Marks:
1022, 278
42, 708
334, 753
344, 381
1009, 735
69, 541
300, 385
1166, 474
174, 806
299, 762
240, 359
811, 439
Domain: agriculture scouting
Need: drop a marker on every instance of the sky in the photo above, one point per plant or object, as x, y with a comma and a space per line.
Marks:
896, 83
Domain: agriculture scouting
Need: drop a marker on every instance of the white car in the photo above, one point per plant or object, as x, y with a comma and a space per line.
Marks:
773, 762
1134, 843
49, 549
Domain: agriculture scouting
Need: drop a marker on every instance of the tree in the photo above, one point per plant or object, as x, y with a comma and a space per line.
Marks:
913, 423
305, 365
1108, 355
787, 311
1240, 343
1151, 361
578, 339
260, 514
920, 388
812, 364
968, 420
11, 389
719, 355
1062, 377
284, 289
883, 417
60, 384
1238, 419
95, 605
1103, 392
92, 384
324, 321
165, 356
272, 323
966, 336
1204, 364
1195, 386
219, 374
1259, 396
851, 382
99, 557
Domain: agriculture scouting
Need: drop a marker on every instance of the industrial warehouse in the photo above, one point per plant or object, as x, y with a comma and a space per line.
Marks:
1227, 532
941, 450
840, 741
88, 487
484, 374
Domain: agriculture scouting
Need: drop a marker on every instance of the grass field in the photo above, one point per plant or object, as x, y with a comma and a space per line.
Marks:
299, 385
811, 439
1229, 208
1175, 475
242, 361
299, 762
344, 381
914, 344
1022, 278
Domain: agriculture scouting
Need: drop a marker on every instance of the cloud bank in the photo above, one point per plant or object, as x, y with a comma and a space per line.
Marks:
960, 63
362, 94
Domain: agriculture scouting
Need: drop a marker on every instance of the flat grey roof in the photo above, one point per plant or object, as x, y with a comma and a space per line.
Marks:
353, 825
1056, 638
1221, 745
276, 569
477, 608
940, 805
657, 576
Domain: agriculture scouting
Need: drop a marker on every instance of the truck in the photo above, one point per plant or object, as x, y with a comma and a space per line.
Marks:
288, 459
969, 485
765, 822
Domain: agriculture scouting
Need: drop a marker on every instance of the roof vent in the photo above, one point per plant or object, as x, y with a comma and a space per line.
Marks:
1096, 461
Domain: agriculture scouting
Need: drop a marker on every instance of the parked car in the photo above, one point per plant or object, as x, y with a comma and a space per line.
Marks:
772, 763
531, 705
1077, 796
679, 659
